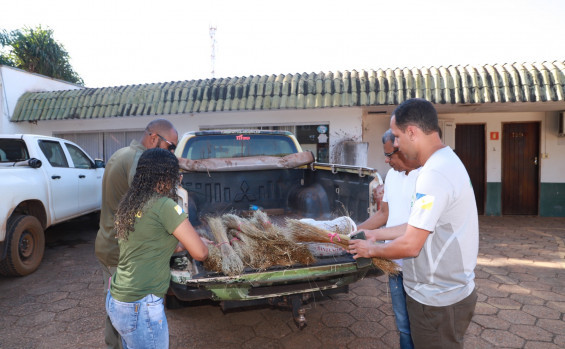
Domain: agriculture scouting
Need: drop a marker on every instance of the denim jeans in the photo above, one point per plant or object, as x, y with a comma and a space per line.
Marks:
398, 297
141, 324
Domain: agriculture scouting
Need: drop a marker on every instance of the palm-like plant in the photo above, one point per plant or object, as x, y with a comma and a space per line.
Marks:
36, 51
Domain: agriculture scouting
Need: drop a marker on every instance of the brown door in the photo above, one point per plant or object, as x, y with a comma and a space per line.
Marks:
520, 170
470, 147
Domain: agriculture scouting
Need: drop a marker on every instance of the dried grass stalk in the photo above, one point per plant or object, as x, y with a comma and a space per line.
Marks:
231, 263
214, 260
386, 265
286, 250
248, 247
268, 245
305, 232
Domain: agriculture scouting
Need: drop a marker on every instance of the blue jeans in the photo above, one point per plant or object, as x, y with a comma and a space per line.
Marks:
141, 324
398, 297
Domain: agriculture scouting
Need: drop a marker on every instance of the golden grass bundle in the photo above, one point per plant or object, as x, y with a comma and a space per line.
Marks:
243, 244
258, 244
265, 244
305, 232
261, 221
214, 260
231, 263
386, 265
285, 250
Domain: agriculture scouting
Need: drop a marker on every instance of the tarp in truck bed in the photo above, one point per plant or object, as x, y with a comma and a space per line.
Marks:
254, 163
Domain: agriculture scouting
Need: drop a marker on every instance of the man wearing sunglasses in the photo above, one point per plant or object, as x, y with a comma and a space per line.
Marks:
400, 183
118, 174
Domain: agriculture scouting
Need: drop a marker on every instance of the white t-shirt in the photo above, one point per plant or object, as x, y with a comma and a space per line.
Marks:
399, 190
444, 204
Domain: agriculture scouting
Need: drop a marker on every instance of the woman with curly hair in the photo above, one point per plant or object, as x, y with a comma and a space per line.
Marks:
149, 225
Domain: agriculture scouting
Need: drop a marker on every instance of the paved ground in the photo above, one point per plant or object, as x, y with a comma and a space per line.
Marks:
520, 277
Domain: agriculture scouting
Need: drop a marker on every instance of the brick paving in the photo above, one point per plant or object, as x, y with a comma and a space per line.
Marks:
520, 278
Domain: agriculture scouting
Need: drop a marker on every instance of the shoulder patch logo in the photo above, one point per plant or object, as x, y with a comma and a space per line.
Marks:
178, 209
424, 201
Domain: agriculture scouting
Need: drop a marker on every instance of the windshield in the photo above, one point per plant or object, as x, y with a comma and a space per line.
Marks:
237, 145
12, 150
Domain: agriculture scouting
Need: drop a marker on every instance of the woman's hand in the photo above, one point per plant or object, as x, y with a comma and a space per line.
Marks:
189, 238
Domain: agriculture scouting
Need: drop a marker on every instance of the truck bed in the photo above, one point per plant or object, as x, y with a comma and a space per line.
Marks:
319, 191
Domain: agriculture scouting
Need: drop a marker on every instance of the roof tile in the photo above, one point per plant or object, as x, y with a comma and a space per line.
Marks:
499, 83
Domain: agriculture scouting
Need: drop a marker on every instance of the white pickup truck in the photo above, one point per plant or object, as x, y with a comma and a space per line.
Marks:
43, 181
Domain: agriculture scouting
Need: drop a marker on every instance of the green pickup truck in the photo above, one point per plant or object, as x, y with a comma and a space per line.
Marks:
238, 171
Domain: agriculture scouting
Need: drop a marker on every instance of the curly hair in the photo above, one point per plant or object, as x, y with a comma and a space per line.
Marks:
157, 175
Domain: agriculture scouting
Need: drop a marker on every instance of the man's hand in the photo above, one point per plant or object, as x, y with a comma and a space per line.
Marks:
370, 235
360, 248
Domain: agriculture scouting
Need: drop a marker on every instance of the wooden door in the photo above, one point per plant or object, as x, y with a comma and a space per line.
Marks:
520, 168
470, 147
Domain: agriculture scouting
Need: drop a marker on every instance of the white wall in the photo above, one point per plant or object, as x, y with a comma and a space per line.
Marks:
345, 123
374, 125
14, 83
552, 167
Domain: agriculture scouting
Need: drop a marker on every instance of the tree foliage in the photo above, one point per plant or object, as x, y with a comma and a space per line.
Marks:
36, 51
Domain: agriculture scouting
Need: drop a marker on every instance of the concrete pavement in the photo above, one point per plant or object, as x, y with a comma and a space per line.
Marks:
520, 278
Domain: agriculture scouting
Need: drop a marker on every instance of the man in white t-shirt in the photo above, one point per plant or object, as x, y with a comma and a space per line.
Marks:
400, 183
440, 242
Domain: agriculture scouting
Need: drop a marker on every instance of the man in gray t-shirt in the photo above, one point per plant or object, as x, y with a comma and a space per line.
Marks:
441, 239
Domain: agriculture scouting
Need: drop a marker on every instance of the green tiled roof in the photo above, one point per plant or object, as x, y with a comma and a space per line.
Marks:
499, 83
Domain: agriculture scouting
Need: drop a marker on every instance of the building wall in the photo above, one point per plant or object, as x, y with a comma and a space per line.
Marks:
374, 125
344, 123
552, 157
15, 82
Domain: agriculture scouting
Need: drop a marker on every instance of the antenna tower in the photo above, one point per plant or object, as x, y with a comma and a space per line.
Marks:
213, 55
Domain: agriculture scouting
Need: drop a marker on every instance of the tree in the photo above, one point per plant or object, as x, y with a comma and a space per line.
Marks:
36, 51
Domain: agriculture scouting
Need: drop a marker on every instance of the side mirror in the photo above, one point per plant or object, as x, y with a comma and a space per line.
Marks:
99, 163
34, 163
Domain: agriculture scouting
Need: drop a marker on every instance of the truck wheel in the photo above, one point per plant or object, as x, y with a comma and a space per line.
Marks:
25, 244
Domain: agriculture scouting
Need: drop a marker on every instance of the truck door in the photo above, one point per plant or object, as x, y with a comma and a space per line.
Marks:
89, 179
62, 179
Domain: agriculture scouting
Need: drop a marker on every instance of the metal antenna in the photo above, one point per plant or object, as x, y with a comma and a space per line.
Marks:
213, 55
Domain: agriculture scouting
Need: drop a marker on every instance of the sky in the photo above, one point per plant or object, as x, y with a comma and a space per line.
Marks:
126, 42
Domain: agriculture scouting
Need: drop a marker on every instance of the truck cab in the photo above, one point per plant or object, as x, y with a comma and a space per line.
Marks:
236, 143
45, 181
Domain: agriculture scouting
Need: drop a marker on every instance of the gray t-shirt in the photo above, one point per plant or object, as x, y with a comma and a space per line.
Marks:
444, 204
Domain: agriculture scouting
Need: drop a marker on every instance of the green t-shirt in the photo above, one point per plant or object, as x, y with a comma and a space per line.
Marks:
118, 176
143, 267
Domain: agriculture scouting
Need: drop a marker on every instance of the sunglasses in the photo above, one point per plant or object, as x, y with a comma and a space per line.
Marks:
389, 155
171, 146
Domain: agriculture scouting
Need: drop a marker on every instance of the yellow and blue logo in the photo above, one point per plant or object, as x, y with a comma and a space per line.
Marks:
178, 209
424, 201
